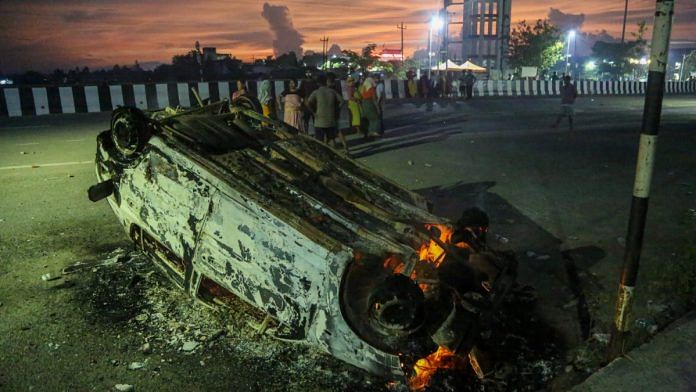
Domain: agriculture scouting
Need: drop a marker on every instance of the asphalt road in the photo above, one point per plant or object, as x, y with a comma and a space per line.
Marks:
547, 190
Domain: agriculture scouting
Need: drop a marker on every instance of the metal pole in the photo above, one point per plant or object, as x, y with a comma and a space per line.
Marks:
430, 50
623, 30
567, 55
644, 168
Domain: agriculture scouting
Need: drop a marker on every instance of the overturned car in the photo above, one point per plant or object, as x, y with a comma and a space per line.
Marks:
228, 202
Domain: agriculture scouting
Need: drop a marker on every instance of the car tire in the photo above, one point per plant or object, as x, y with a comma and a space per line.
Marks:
130, 132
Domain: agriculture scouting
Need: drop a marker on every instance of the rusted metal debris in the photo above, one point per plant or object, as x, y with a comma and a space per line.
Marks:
228, 202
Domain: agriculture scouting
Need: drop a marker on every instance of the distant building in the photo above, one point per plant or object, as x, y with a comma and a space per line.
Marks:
485, 31
211, 54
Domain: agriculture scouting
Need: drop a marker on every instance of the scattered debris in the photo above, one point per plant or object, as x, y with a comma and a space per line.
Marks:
124, 387
601, 338
22, 153
621, 241
136, 365
48, 277
501, 239
543, 257
145, 348
189, 346
427, 165
530, 254
410, 163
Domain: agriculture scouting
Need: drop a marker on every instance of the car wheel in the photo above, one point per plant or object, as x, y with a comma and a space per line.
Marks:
130, 132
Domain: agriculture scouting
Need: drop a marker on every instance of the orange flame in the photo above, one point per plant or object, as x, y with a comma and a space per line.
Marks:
424, 368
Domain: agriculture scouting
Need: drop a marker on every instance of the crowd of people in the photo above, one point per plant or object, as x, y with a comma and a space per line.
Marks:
314, 106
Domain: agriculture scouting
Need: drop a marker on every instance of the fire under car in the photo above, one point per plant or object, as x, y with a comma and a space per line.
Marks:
228, 202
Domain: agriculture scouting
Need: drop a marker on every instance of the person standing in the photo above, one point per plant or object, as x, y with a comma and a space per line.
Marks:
266, 99
307, 87
241, 90
568, 95
381, 97
370, 107
322, 103
469, 80
353, 104
292, 107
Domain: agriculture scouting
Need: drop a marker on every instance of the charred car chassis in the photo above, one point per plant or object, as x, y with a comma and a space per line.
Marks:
227, 201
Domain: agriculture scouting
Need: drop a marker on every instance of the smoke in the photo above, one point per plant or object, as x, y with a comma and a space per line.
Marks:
566, 22
287, 38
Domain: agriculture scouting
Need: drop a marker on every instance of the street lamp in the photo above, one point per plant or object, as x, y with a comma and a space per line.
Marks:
436, 23
571, 34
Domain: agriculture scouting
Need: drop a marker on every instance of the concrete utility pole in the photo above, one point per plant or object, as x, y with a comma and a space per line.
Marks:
623, 31
644, 168
402, 28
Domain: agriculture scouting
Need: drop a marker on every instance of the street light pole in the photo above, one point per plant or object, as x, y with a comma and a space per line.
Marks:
430, 49
571, 34
644, 168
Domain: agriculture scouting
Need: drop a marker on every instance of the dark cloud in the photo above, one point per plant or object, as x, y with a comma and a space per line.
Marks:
287, 38
564, 21
77, 16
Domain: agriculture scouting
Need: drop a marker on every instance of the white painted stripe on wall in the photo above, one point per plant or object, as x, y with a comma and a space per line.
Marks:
182, 91
534, 88
280, 87
67, 102
116, 93
162, 95
40, 100
478, 86
203, 90
92, 97
388, 89
224, 90
14, 106
344, 88
140, 97
508, 84
518, 87
401, 88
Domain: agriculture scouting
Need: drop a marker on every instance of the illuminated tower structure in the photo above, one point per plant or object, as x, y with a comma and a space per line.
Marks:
484, 34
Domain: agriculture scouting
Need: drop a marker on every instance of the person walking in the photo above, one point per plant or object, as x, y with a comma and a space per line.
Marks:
568, 95
370, 107
322, 103
292, 107
469, 80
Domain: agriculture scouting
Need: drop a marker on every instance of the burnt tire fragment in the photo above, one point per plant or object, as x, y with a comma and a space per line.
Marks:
130, 132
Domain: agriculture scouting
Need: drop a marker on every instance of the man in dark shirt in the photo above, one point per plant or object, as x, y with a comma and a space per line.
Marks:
323, 103
307, 87
568, 95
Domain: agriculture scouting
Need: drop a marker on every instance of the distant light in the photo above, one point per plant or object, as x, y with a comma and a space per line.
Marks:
571, 34
590, 66
436, 23
644, 61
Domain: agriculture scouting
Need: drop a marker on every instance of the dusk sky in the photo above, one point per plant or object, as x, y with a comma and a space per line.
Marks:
43, 34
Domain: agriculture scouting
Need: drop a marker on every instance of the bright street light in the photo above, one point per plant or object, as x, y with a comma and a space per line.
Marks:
436, 23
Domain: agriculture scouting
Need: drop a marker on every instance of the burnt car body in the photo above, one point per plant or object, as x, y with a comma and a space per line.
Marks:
226, 200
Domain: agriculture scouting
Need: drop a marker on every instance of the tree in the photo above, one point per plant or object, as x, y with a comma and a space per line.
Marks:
538, 46
618, 59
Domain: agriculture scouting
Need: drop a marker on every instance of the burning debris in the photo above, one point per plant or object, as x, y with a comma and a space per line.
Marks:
235, 206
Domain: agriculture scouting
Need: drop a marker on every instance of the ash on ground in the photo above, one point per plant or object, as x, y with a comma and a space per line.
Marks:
126, 293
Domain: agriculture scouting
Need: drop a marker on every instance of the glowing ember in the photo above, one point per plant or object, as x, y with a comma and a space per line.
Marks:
431, 252
426, 367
